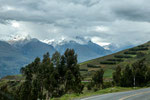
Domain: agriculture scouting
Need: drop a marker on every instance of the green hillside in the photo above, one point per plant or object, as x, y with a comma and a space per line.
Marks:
109, 62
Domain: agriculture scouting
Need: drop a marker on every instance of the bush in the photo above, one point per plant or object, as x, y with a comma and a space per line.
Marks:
130, 52
119, 60
141, 46
122, 56
108, 62
148, 84
83, 69
95, 89
140, 54
89, 86
93, 66
107, 85
139, 49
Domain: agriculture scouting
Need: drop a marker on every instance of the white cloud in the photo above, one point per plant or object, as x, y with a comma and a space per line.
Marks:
7, 8
15, 24
101, 29
99, 41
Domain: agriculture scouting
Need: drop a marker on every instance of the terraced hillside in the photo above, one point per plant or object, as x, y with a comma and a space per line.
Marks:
109, 62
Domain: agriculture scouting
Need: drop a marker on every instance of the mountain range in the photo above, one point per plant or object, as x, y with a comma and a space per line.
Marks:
16, 53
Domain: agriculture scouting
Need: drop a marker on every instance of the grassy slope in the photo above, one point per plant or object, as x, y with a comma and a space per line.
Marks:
109, 68
91, 93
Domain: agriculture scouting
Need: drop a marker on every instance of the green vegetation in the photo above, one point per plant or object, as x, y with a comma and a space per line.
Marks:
88, 93
93, 66
122, 59
139, 49
51, 77
138, 74
108, 73
97, 80
122, 56
108, 62
62, 78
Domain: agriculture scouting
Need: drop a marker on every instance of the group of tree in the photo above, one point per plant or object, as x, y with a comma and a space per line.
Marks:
51, 77
134, 75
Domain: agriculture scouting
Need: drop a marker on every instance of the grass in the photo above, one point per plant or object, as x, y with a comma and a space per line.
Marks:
108, 73
91, 93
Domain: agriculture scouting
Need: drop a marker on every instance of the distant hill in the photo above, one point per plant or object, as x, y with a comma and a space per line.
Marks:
121, 58
16, 53
33, 48
10, 59
85, 51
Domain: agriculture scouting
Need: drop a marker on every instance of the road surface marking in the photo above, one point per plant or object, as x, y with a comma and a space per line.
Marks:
126, 97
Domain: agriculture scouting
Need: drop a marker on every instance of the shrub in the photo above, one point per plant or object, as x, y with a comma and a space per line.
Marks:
119, 60
107, 85
122, 56
92, 66
83, 69
108, 62
130, 52
139, 49
89, 86
140, 54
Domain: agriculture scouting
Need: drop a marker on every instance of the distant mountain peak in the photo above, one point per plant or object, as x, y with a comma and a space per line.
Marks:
64, 40
21, 40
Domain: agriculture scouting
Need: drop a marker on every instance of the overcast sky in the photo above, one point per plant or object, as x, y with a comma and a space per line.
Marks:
103, 21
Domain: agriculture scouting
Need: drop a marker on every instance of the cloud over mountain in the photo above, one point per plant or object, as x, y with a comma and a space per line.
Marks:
111, 21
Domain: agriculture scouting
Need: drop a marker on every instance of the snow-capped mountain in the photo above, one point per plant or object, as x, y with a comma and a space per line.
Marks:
33, 47
84, 47
85, 51
22, 50
62, 41
19, 39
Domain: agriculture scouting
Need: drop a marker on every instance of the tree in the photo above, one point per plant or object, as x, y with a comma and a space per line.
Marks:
51, 77
97, 79
56, 57
127, 77
117, 76
73, 77
25, 91
139, 69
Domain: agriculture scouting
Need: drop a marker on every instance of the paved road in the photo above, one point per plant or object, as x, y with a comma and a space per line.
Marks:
142, 94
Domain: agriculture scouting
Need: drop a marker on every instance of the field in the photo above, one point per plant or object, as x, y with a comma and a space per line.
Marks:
109, 62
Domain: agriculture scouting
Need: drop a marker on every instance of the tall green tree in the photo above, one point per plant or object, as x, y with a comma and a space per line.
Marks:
97, 79
117, 76
72, 72
127, 77
139, 69
56, 58
25, 91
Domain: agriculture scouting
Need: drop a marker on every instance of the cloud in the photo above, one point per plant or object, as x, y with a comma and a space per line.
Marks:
110, 21
133, 10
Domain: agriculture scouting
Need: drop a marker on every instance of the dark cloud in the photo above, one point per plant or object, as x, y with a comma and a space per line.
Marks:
133, 10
